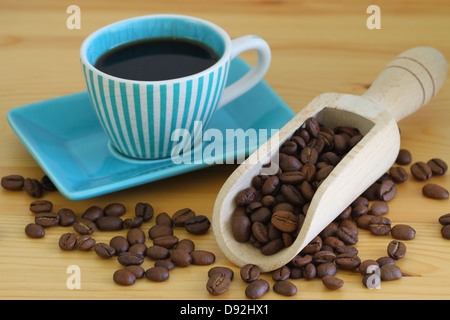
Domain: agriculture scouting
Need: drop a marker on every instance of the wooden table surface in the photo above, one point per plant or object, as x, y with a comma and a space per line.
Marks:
317, 46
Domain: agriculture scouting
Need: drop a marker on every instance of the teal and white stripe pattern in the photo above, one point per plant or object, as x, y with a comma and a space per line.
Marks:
139, 118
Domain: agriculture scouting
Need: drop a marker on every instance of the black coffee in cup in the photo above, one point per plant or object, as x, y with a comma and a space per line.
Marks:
157, 59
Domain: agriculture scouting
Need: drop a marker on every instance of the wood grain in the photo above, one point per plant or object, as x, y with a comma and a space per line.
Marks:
317, 46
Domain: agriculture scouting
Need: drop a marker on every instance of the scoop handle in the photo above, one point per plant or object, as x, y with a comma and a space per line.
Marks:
409, 81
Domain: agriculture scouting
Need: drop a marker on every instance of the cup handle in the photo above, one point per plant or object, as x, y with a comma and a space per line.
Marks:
255, 74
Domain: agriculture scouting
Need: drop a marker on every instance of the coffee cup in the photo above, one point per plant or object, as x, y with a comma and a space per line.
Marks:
139, 116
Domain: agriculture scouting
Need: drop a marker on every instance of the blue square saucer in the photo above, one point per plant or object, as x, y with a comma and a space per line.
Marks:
65, 137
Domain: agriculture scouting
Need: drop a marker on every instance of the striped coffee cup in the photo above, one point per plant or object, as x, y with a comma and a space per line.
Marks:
139, 117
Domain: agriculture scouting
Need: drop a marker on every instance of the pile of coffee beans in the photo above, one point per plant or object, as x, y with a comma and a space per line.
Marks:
270, 212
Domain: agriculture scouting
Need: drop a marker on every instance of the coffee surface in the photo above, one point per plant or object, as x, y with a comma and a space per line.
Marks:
157, 59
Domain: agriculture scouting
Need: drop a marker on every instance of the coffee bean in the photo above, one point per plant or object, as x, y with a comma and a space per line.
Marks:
250, 272
323, 256
313, 246
157, 274
41, 206
390, 272
131, 223
284, 221
144, 210
84, 226
403, 232
138, 271
130, 258
67, 241
164, 219
202, 257
34, 230
403, 157
281, 273
180, 257
285, 288
309, 155
168, 242
120, 244
312, 126
421, 171
368, 267
290, 163
66, 217
13, 182
323, 173
445, 231
261, 232
326, 269
437, 166
227, 271
159, 231
445, 219
332, 242
109, 223
218, 283
379, 208
270, 186
93, 213
104, 250
289, 148
179, 218
387, 190
46, 219
156, 252
241, 227
332, 282
124, 277
187, 245
434, 191
243, 198
291, 177
262, 215
309, 271
257, 289
139, 248
363, 221
135, 235
114, 210
347, 261
379, 225
272, 247
165, 263
85, 242
33, 187
301, 261
382, 261
371, 281
347, 235
398, 174
396, 250
47, 184
197, 225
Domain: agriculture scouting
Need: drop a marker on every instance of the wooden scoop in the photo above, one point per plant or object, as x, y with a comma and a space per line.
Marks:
407, 83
